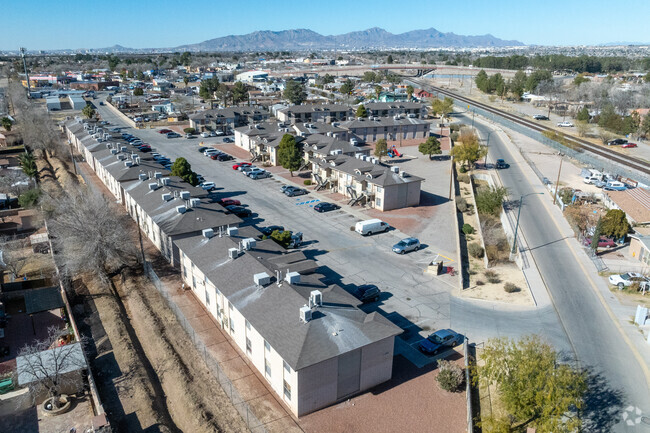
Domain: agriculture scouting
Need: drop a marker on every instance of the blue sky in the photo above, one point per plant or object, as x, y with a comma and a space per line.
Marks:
40, 24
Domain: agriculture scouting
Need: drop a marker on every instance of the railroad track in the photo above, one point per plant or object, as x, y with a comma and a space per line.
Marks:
630, 162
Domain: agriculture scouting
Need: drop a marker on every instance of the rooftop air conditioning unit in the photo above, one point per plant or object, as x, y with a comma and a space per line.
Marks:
195, 202
166, 196
121, 157
394, 169
315, 299
134, 157
249, 243
232, 231
114, 151
153, 186
164, 181
208, 233
292, 277
403, 174
305, 314
359, 118
142, 177
262, 279
233, 253
128, 164
157, 175
185, 195
123, 149
181, 209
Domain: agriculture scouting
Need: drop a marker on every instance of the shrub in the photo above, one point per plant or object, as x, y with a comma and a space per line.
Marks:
479, 282
468, 229
461, 204
282, 238
489, 200
475, 250
454, 136
189, 130
307, 182
492, 277
450, 377
463, 178
510, 288
29, 198
462, 169
455, 127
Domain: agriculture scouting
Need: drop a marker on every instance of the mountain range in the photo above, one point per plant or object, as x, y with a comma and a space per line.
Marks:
304, 39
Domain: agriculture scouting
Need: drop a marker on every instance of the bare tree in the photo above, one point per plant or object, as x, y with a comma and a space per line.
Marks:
91, 235
13, 254
46, 364
583, 128
14, 182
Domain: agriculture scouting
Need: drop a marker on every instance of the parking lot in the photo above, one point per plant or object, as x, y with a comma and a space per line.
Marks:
414, 300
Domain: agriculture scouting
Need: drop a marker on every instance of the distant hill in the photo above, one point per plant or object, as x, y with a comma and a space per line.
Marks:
304, 39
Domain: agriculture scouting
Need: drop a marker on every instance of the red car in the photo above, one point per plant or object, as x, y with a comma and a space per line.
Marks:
628, 145
165, 131
602, 242
229, 202
240, 165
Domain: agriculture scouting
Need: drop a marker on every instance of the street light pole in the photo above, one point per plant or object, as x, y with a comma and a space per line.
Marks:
557, 183
521, 201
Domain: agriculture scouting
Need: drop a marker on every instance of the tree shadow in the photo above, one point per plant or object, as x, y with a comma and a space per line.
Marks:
603, 404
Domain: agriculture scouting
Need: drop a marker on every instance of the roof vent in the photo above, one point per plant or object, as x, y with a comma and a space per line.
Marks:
262, 279
142, 177
164, 181
153, 186
208, 233
128, 164
166, 196
185, 195
114, 151
292, 277
123, 149
232, 231
305, 314
315, 299
394, 169
404, 174
233, 253
157, 175
181, 209
134, 156
195, 202
121, 157
249, 243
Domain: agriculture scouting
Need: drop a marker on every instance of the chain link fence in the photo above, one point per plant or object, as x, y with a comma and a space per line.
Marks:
253, 423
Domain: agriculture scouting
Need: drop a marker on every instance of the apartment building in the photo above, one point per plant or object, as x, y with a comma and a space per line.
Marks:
311, 113
222, 119
390, 109
393, 129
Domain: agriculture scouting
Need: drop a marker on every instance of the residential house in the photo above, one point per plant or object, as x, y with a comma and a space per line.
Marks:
635, 202
311, 113
640, 248
363, 179
164, 107
308, 339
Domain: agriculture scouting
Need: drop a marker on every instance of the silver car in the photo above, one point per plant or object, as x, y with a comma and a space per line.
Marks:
406, 245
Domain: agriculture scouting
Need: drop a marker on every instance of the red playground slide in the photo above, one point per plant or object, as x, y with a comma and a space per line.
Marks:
395, 151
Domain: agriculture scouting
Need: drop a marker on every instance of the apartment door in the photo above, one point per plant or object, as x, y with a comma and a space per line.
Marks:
349, 374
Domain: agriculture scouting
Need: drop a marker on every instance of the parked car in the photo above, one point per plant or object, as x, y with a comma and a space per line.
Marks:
326, 207
367, 293
202, 149
617, 142
295, 191
266, 231
406, 245
565, 124
213, 134
628, 145
208, 186
440, 340
592, 179
627, 279
603, 242
188, 135
260, 175
239, 165
173, 135
614, 185
205, 134
101, 102
239, 211
229, 202
369, 227
599, 183
247, 169
224, 157
253, 170
219, 133
540, 117
165, 131
228, 140
210, 151
200, 178
501, 163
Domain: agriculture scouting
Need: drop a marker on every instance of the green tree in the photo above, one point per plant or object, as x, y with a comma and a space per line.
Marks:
29, 198
579, 79
534, 387
88, 111
615, 224
186, 59
409, 91
186, 80
583, 115
381, 148
490, 199
361, 111
495, 82
239, 92
389, 59
644, 128
378, 90
327, 79
430, 147
208, 87
183, 169
289, 154
481, 81
138, 91
28, 164
347, 88
537, 77
443, 107
6, 123
295, 92
282, 237
595, 238
470, 150
518, 84
370, 77
113, 61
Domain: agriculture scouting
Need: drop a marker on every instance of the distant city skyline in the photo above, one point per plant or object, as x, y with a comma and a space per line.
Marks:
41, 25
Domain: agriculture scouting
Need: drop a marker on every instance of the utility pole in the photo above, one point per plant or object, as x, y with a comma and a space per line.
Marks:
557, 183
29, 88
521, 201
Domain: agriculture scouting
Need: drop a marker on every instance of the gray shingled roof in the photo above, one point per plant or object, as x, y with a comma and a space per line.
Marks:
323, 145
312, 108
393, 105
229, 112
317, 128
274, 311
381, 122
379, 174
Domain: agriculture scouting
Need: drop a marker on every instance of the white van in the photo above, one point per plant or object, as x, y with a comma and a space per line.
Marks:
369, 227
593, 178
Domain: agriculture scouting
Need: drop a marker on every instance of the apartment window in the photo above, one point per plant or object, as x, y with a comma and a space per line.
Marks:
267, 346
379, 190
232, 326
248, 325
193, 282
249, 347
378, 202
184, 269
207, 296
287, 390
267, 367
287, 369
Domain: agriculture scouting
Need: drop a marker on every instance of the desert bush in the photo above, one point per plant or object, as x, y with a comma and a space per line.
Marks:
189, 130
462, 169
450, 377
510, 287
454, 136
489, 200
492, 277
479, 282
307, 182
461, 204
468, 229
494, 239
463, 178
475, 250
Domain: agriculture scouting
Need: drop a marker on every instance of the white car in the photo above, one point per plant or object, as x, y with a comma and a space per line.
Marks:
565, 124
627, 279
208, 186
211, 151
205, 134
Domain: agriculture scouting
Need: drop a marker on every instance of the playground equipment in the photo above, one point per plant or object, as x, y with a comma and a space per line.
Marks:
393, 152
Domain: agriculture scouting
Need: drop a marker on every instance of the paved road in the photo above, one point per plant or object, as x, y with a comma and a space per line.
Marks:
597, 343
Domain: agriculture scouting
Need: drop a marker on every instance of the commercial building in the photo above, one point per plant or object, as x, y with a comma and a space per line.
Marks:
252, 76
